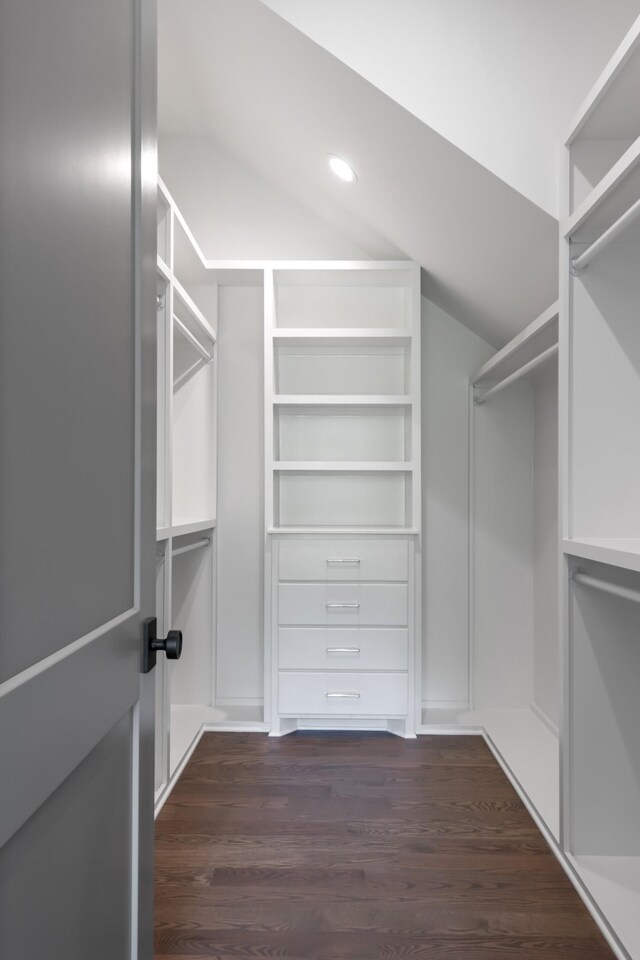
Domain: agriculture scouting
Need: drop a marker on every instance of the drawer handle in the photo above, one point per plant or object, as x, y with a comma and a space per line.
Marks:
343, 560
343, 649
342, 606
343, 696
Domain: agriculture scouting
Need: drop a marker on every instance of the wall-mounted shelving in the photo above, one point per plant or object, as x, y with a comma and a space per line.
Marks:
600, 411
342, 458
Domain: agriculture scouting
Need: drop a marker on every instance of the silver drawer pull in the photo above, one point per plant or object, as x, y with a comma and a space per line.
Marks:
343, 649
342, 606
343, 559
343, 696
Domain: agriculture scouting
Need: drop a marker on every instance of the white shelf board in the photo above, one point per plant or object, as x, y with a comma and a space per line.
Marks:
342, 466
536, 337
163, 269
342, 400
348, 531
614, 884
183, 527
591, 121
347, 336
528, 747
615, 193
192, 309
623, 553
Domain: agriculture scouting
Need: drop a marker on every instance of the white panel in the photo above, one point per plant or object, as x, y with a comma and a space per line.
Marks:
503, 549
357, 604
337, 648
450, 355
546, 648
342, 370
192, 612
606, 395
343, 560
342, 500
363, 694
240, 585
342, 434
328, 306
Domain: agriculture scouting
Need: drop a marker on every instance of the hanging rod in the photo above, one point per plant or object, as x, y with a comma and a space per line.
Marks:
197, 545
605, 239
193, 340
584, 580
521, 372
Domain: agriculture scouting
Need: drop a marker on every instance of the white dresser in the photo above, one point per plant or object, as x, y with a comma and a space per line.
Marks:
342, 495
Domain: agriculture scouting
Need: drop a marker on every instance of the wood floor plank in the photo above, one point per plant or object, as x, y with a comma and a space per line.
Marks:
358, 847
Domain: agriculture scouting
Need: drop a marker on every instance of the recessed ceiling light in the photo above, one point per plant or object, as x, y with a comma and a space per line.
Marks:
342, 169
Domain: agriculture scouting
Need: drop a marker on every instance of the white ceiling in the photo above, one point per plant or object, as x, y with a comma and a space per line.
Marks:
501, 79
235, 72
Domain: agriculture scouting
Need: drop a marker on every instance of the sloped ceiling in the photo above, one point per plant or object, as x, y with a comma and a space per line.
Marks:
234, 71
501, 79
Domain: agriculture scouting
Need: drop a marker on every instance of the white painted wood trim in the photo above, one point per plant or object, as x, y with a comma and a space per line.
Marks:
609, 75
617, 175
488, 370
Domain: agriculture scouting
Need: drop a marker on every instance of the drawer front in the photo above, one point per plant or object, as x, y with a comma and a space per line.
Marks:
343, 604
344, 560
343, 694
339, 648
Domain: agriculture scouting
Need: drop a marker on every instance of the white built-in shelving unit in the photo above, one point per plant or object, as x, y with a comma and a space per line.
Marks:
600, 413
514, 694
342, 493
186, 491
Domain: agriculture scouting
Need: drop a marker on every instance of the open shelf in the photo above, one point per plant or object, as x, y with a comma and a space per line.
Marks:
341, 400
341, 371
346, 337
623, 553
341, 466
604, 398
609, 200
608, 122
348, 298
367, 435
185, 527
321, 499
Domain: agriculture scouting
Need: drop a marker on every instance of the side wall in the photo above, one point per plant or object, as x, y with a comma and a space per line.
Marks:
450, 355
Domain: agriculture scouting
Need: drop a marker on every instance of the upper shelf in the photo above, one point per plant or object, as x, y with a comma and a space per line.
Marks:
616, 192
347, 336
621, 552
536, 338
341, 400
611, 111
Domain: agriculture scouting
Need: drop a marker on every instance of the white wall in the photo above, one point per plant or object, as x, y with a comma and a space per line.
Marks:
546, 657
450, 354
236, 214
500, 79
239, 676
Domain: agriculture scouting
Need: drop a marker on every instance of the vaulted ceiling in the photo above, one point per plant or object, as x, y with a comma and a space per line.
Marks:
236, 73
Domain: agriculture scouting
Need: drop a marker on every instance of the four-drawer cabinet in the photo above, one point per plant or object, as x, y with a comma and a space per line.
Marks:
343, 630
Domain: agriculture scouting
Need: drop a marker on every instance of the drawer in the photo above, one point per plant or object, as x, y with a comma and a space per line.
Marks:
339, 648
344, 560
343, 604
343, 694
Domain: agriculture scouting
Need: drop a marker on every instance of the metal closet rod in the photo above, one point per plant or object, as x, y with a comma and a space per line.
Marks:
584, 580
605, 239
197, 545
193, 340
521, 372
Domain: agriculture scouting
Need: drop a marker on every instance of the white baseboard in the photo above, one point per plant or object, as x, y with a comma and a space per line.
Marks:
542, 716
239, 702
445, 704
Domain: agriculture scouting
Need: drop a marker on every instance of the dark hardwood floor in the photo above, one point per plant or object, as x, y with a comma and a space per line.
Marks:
358, 847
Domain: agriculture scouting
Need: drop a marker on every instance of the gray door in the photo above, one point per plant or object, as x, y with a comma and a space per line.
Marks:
77, 477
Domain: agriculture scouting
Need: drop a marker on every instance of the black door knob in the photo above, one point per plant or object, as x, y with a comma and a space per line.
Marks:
171, 645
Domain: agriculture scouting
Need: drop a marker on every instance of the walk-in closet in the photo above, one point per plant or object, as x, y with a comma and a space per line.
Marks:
372, 517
